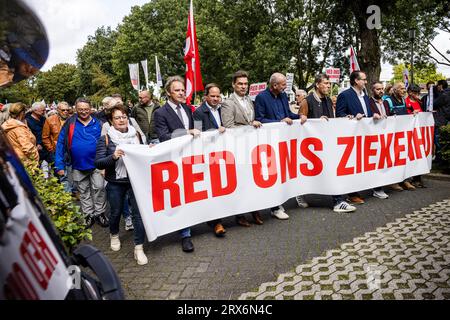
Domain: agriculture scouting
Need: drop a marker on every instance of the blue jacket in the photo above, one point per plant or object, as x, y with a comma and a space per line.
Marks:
265, 105
77, 144
167, 121
204, 115
348, 104
36, 127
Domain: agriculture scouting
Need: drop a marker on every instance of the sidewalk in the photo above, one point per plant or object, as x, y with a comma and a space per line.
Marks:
407, 259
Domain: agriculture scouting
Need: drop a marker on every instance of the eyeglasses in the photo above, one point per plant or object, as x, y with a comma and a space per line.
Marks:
120, 117
64, 110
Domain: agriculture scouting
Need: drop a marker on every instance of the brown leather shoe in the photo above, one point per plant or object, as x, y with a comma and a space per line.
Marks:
219, 230
257, 218
408, 186
396, 187
356, 200
243, 222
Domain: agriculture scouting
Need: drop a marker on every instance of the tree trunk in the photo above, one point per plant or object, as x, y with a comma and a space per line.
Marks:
369, 55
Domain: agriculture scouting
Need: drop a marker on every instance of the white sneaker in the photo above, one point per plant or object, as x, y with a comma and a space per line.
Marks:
129, 224
280, 213
343, 207
380, 194
139, 255
301, 202
115, 242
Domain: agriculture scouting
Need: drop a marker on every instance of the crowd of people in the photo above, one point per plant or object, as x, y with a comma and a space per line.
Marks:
81, 142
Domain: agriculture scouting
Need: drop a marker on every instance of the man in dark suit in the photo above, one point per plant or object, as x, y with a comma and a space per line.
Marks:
354, 103
173, 120
317, 105
209, 115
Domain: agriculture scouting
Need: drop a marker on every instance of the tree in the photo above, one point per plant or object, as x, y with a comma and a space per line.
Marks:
260, 36
422, 73
96, 58
59, 84
23, 91
102, 81
391, 42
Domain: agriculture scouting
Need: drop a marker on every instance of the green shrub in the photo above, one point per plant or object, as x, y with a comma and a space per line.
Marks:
444, 141
66, 216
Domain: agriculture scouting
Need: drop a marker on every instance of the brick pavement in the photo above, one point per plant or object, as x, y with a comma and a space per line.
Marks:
406, 259
247, 257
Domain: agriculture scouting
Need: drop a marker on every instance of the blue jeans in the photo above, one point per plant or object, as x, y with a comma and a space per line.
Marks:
185, 233
116, 193
154, 141
126, 207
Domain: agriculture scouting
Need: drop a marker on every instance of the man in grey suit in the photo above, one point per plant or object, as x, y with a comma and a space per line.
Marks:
238, 110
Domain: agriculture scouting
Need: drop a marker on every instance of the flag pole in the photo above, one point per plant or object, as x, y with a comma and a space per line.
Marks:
193, 60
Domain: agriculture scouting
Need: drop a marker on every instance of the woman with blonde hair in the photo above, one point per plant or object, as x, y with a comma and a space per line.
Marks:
20, 136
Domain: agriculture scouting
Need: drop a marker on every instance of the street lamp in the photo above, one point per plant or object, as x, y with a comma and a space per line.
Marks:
412, 35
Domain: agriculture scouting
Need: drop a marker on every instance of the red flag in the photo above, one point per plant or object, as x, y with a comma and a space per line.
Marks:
354, 66
194, 80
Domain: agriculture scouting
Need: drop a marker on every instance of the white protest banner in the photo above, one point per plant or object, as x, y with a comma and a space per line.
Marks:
256, 89
289, 82
187, 181
134, 75
334, 74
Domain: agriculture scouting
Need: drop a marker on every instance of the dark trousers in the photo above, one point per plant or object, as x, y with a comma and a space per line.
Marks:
116, 193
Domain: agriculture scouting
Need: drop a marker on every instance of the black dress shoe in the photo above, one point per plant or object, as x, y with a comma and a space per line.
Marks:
187, 244
102, 220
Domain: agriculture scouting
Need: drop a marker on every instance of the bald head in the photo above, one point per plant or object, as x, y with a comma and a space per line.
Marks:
144, 97
399, 90
277, 83
277, 78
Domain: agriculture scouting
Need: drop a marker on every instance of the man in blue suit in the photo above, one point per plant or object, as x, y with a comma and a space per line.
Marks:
354, 103
173, 120
209, 115
272, 105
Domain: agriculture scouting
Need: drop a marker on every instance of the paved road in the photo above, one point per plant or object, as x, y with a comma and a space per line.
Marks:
241, 264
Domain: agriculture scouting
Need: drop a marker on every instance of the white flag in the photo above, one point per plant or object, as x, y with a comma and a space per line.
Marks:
145, 67
354, 65
430, 99
134, 75
159, 80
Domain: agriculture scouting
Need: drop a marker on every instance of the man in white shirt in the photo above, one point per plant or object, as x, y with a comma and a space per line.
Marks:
354, 103
175, 119
208, 117
238, 111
